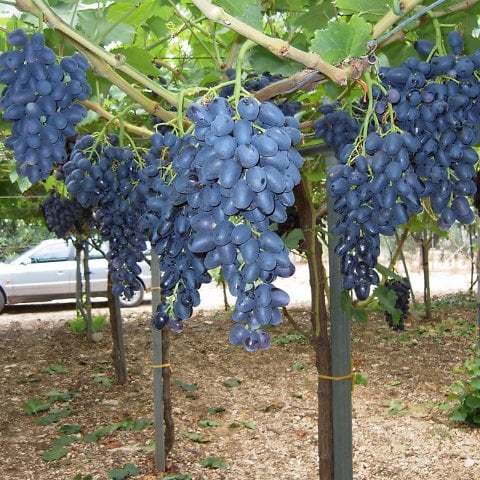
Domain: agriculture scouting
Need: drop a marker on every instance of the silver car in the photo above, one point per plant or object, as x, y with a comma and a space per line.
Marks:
48, 272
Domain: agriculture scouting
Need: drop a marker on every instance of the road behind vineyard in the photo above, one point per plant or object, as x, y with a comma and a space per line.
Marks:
264, 427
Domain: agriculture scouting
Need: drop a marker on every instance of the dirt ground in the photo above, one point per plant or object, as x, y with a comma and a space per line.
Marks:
257, 412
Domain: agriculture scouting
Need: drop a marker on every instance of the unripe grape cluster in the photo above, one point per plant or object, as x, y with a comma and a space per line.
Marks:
63, 214
418, 146
227, 183
103, 176
40, 100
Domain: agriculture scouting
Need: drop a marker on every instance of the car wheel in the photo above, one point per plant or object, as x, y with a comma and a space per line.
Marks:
137, 297
2, 301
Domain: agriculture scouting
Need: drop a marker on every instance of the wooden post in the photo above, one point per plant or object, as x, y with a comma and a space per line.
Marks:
341, 360
157, 357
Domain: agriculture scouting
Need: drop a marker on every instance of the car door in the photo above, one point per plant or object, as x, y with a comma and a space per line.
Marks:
98, 267
47, 274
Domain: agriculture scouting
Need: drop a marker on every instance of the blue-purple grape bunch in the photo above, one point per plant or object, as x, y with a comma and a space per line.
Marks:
419, 147
40, 99
401, 288
63, 215
166, 222
226, 184
104, 176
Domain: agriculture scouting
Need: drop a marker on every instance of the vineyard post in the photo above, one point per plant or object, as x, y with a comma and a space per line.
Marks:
157, 381
341, 360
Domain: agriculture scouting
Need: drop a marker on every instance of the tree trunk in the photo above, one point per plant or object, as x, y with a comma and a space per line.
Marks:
426, 276
167, 398
478, 291
118, 345
88, 295
319, 319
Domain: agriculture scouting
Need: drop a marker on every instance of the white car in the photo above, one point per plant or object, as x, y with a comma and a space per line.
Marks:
48, 272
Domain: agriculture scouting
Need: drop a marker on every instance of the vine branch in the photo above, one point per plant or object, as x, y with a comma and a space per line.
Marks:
95, 107
279, 47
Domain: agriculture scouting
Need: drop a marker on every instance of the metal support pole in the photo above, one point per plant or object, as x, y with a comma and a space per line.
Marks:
341, 361
157, 372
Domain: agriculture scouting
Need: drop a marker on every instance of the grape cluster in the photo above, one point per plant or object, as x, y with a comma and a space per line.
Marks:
40, 101
227, 183
402, 291
63, 214
419, 146
166, 222
103, 176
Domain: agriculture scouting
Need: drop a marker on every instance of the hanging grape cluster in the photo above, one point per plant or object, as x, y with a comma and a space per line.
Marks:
226, 184
63, 214
103, 176
401, 288
40, 100
418, 145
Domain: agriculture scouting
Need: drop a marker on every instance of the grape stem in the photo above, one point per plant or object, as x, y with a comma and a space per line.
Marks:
238, 69
277, 46
97, 108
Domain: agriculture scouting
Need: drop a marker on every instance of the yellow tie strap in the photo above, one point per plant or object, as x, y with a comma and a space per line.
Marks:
341, 377
163, 365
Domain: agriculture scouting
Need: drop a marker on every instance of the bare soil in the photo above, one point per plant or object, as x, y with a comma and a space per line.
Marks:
267, 429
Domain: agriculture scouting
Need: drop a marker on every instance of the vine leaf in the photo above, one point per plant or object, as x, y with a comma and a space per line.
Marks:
248, 11
138, 58
365, 7
342, 40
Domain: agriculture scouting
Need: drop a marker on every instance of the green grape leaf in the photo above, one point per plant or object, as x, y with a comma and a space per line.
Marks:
387, 299
342, 40
55, 368
34, 405
369, 8
61, 396
70, 428
54, 454
23, 182
351, 310
63, 441
105, 381
135, 13
387, 272
209, 423
121, 473
157, 24
262, 60
138, 58
248, 11
293, 238
53, 417
317, 16
213, 462
215, 410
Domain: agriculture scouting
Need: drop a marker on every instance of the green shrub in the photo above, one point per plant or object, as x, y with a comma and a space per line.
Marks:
467, 395
78, 325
